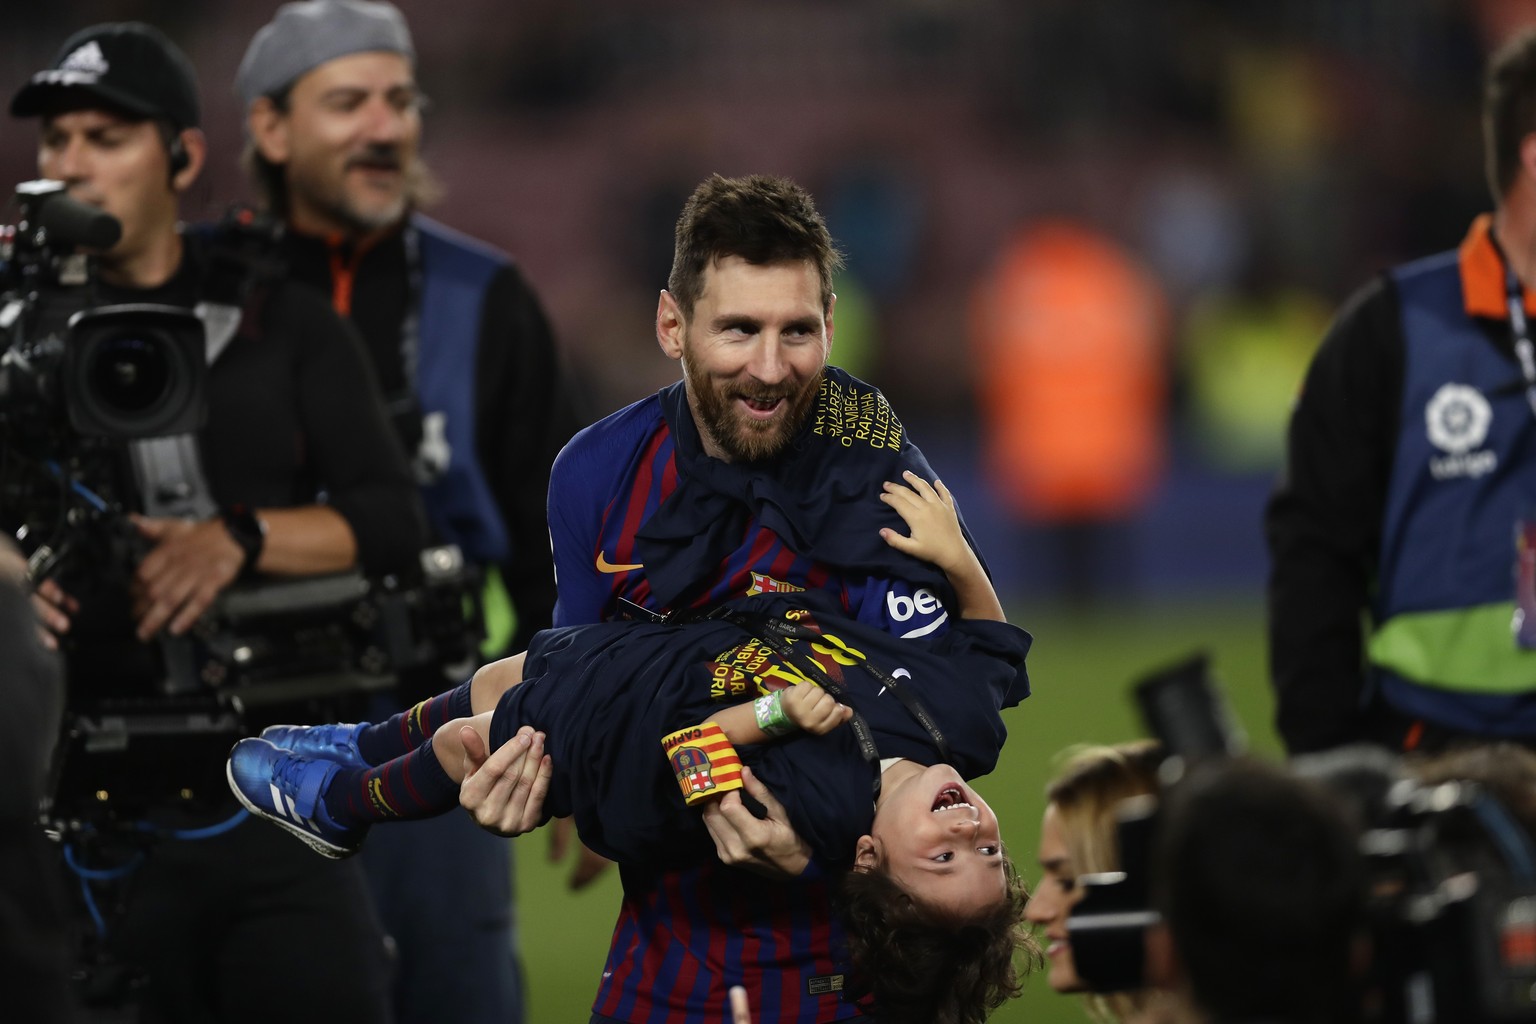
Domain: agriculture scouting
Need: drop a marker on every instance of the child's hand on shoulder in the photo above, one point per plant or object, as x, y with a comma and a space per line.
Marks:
934, 525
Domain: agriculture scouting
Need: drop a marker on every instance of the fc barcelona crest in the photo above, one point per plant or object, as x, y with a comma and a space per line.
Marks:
768, 585
693, 770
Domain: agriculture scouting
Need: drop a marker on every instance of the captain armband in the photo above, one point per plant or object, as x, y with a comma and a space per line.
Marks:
703, 761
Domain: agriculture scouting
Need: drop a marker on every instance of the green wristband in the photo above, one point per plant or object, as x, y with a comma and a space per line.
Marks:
770, 714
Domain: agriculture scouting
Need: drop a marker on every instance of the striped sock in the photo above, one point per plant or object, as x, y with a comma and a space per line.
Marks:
411, 786
402, 733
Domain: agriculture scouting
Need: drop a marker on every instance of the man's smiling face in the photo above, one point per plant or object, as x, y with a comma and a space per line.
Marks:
753, 350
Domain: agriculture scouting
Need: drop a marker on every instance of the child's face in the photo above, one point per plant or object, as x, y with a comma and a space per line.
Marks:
940, 842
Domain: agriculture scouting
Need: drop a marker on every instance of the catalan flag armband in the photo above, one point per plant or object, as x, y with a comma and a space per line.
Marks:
703, 760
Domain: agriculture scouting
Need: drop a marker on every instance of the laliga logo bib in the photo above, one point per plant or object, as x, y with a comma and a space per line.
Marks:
1457, 420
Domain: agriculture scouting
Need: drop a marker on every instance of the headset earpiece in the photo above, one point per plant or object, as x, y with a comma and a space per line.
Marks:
176, 154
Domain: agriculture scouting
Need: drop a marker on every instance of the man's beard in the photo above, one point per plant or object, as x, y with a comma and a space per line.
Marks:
741, 438
333, 199
341, 209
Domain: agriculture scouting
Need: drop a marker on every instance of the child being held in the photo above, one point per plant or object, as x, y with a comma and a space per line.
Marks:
863, 741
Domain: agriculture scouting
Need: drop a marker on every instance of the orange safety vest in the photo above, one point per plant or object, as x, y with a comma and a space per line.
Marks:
1069, 336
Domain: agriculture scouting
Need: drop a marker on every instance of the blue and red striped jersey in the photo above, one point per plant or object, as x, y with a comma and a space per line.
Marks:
684, 937
640, 516
638, 513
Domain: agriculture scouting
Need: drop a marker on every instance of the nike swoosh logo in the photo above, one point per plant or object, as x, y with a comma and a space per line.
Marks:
603, 565
899, 673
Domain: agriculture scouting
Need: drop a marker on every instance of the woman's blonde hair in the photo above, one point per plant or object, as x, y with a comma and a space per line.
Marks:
1088, 788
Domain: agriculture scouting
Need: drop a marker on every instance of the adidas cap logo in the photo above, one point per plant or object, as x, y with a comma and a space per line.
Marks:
88, 59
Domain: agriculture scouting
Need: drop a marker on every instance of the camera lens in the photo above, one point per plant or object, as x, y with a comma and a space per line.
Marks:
129, 373
135, 371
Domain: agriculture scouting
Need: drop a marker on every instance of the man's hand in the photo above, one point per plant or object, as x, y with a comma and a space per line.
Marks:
813, 709
505, 792
767, 846
53, 608
191, 563
588, 866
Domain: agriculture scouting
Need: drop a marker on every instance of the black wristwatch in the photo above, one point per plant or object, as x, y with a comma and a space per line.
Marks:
248, 531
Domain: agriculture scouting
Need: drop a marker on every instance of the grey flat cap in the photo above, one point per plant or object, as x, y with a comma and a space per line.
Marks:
307, 33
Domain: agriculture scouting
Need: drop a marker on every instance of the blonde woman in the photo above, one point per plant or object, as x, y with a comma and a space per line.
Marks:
1077, 837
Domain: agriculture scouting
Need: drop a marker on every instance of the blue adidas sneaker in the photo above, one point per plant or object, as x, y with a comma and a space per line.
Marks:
335, 743
285, 789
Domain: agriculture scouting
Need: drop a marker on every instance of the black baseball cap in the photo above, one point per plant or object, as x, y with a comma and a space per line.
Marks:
128, 65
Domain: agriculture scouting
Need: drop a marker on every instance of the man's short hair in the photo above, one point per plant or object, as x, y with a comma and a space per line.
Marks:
1509, 110
762, 219
1259, 878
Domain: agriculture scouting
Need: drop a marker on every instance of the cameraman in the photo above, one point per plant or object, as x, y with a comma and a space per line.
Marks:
1262, 890
293, 415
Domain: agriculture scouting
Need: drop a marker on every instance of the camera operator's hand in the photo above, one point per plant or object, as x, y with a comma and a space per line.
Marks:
53, 607
768, 846
190, 564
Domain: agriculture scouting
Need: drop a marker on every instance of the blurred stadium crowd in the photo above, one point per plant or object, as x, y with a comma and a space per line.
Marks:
1243, 165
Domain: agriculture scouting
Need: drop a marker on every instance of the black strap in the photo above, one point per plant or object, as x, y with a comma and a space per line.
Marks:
1519, 326
776, 634
1521, 329
915, 708
410, 327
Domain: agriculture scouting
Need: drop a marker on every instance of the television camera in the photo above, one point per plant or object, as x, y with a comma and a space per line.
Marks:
69, 373
91, 396
1451, 875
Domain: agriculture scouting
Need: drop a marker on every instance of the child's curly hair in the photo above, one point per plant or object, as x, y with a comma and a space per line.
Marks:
913, 966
